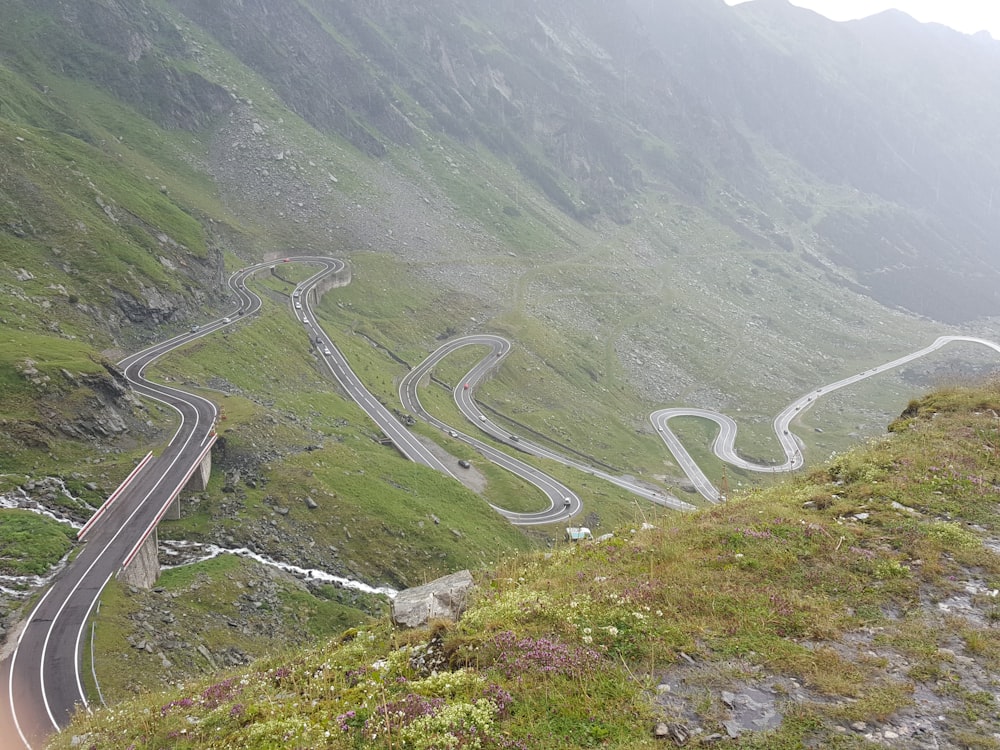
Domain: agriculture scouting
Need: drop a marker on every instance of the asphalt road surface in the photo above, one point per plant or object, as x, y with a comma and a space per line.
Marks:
337, 365
465, 400
791, 445
41, 683
40, 675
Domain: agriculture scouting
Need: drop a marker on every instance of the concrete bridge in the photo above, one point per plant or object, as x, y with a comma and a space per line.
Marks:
141, 567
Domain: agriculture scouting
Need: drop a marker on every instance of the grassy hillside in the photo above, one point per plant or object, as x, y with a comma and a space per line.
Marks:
121, 206
855, 604
514, 171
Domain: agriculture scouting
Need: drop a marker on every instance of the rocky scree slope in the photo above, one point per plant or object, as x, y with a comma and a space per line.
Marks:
599, 106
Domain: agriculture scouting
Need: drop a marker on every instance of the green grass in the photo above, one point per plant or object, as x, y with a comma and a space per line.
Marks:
761, 585
574, 301
327, 452
31, 544
534, 388
214, 594
47, 380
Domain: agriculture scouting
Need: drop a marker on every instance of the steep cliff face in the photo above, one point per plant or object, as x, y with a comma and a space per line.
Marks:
318, 74
598, 105
130, 49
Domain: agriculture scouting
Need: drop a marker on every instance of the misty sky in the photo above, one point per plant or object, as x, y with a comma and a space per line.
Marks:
968, 16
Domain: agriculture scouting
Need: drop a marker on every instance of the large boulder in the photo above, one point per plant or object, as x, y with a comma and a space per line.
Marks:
444, 599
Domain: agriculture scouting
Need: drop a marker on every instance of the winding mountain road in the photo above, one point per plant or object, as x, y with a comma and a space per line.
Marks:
41, 682
336, 364
465, 400
724, 444
40, 677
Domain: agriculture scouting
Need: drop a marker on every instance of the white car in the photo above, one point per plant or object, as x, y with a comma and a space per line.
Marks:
326, 352
226, 320
298, 305
482, 417
306, 321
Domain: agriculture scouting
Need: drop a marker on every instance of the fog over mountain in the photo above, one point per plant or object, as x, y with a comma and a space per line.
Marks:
637, 207
597, 106
663, 202
694, 95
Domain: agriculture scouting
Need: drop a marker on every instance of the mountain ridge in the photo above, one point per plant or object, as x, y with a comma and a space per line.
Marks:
672, 203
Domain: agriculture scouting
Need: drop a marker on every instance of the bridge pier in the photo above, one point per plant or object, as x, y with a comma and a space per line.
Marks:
197, 483
144, 570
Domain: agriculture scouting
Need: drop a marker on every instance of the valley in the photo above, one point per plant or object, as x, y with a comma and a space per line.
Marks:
589, 214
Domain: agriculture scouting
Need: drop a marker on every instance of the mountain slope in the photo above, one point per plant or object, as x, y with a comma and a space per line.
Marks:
668, 203
855, 605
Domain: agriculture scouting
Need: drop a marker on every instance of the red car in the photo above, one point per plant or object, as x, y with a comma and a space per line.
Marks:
466, 386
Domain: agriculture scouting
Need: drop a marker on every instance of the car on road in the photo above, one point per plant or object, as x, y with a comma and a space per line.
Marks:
463, 463
482, 417
306, 321
286, 260
226, 320
452, 433
326, 351
514, 438
567, 502
466, 386
298, 305
194, 329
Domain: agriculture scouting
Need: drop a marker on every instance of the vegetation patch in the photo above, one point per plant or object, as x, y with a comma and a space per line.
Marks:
243, 611
31, 544
769, 594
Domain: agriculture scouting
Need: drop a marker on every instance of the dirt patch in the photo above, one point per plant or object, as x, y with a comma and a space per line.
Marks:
471, 477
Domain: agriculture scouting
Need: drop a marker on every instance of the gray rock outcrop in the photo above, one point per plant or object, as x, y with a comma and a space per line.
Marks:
444, 598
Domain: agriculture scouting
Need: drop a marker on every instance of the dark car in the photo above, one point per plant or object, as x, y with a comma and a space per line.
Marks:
463, 463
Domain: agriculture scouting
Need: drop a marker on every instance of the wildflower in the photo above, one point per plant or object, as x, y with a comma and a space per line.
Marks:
343, 720
499, 697
545, 655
